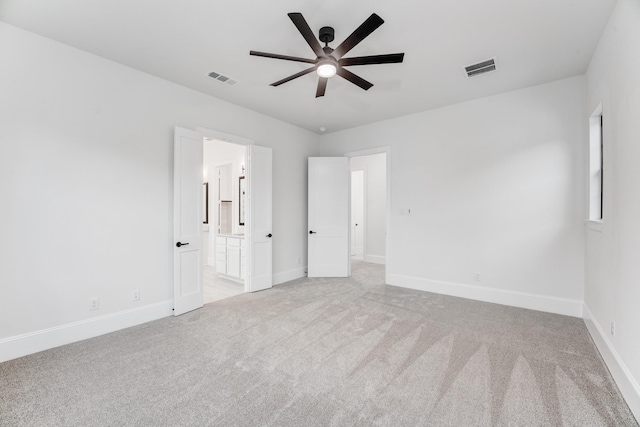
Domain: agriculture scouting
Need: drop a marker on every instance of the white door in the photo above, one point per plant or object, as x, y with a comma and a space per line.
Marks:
187, 221
260, 275
357, 214
328, 217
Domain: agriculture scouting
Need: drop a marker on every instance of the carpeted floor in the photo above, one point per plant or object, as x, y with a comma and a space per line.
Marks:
324, 352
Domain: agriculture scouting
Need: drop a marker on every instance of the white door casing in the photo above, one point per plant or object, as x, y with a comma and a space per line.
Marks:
357, 213
328, 219
187, 221
259, 203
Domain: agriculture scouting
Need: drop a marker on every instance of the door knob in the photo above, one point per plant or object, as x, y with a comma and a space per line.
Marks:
269, 235
312, 232
181, 244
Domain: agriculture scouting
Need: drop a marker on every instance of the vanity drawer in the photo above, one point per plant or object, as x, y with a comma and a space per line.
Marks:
221, 249
233, 242
221, 240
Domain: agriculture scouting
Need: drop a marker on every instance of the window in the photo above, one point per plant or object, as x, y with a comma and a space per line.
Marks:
596, 174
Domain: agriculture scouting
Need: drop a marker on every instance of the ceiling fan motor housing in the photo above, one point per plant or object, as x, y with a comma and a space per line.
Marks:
326, 34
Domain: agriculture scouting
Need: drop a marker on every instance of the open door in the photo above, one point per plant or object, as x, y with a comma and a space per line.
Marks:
328, 217
187, 221
260, 274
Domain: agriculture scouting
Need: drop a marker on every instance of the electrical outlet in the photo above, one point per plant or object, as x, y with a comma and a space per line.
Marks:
476, 276
94, 304
613, 329
135, 295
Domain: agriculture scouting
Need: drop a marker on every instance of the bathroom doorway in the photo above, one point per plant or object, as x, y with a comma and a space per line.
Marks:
224, 173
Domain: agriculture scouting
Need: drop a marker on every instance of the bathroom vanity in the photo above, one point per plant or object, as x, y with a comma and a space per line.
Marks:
230, 256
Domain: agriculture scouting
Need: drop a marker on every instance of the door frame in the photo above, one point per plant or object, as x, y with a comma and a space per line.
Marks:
235, 139
387, 247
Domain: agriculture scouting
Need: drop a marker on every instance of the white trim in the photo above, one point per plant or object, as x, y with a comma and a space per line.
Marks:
594, 224
231, 278
222, 136
624, 380
565, 306
286, 276
33, 342
376, 259
387, 244
368, 152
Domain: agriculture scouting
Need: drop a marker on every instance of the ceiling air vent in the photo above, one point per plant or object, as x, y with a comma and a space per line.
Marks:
480, 68
222, 78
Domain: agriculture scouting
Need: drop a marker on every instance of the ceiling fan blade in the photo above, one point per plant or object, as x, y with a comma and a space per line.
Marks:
367, 27
356, 80
285, 57
300, 23
294, 76
391, 58
322, 86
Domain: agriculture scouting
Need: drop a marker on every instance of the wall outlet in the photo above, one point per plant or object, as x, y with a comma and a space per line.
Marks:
476, 276
613, 329
135, 295
94, 304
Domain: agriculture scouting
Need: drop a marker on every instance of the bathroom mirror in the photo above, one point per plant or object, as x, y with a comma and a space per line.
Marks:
241, 198
205, 203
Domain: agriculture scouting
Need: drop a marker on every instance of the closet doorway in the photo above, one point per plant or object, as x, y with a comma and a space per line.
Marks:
370, 206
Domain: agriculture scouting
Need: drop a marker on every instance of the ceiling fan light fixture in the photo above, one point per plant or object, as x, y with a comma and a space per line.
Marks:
329, 61
326, 69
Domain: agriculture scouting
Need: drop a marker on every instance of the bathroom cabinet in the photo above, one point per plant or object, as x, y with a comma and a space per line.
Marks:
230, 256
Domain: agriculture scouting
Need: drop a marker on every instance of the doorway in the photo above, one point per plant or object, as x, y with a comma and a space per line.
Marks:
224, 248
336, 205
369, 207
189, 214
357, 213
255, 210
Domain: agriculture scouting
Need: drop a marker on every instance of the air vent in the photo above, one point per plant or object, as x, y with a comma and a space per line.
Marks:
222, 78
480, 68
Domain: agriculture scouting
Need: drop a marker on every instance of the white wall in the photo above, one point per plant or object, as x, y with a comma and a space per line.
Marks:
86, 161
612, 289
375, 186
495, 186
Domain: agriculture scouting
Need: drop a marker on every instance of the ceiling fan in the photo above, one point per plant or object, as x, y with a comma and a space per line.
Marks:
330, 62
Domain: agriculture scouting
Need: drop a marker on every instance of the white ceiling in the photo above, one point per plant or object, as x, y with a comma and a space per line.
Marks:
182, 41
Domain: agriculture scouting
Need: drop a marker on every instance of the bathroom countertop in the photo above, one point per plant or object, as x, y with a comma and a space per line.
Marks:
235, 236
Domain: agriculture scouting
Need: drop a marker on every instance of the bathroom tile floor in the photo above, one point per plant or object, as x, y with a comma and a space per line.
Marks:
216, 288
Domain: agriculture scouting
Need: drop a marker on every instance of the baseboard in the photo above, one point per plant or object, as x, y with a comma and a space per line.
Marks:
565, 306
375, 259
33, 342
289, 275
626, 383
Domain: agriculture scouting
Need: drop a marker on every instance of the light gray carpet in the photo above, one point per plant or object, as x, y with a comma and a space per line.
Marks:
324, 352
